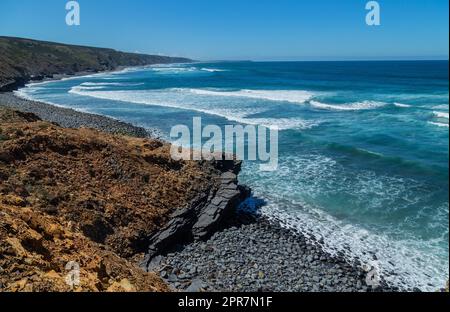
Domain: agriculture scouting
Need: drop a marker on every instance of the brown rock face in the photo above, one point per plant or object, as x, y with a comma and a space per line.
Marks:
84, 196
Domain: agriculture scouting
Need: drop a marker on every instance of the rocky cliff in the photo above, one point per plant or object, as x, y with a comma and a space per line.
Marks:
100, 200
23, 60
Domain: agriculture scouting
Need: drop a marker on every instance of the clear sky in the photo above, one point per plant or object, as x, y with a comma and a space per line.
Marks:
241, 29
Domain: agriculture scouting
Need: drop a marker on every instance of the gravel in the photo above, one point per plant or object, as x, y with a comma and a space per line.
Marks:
70, 118
260, 256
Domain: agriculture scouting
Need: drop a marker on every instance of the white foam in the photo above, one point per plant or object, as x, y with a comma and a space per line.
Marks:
188, 100
85, 88
106, 84
293, 96
103, 75
34, 85
184, 70
439, 124
125, 70
173, 69
365, 105
402, 105
25, 95
213, 70
441, 114
170, 70
415, 262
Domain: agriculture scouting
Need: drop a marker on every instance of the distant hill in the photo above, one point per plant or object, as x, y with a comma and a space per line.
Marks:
23, 60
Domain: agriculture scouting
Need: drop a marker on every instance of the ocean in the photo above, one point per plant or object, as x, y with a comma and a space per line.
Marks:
363, 146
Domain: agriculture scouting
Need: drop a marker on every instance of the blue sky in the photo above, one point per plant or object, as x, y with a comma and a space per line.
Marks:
241, 29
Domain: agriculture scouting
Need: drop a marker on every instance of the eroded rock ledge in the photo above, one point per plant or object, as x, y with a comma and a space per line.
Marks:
203, 217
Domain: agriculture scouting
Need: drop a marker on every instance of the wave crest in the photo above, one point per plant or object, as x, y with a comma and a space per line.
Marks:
443, 115
364, 105
293, 96
181, 100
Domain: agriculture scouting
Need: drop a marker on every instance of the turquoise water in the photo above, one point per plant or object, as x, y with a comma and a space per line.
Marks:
363, 147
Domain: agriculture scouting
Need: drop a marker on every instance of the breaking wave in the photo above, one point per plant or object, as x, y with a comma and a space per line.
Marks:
364, 105
188, 99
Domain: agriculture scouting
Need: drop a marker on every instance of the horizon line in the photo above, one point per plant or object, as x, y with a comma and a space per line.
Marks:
262, 59
327, 60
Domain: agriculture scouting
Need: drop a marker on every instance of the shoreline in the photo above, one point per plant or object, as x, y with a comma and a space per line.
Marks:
254, 254
248, 253
58, 77
70, 118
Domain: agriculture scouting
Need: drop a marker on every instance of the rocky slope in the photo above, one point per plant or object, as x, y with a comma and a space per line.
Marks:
99, 200
22, 60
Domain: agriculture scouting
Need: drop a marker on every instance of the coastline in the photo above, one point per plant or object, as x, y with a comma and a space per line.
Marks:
70, 118
74, 60
247, 253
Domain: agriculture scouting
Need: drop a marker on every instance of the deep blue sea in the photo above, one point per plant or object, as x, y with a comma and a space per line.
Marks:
363, 146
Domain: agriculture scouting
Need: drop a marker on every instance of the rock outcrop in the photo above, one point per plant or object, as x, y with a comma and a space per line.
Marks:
100, 200
203, 217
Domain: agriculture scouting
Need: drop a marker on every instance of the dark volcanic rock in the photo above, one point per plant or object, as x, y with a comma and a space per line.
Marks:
261, 256
222, 204
204, 216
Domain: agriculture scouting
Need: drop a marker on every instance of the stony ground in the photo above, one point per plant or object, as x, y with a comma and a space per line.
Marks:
70, 118
259, 256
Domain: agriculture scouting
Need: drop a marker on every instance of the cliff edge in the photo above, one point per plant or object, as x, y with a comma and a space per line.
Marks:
98, 200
